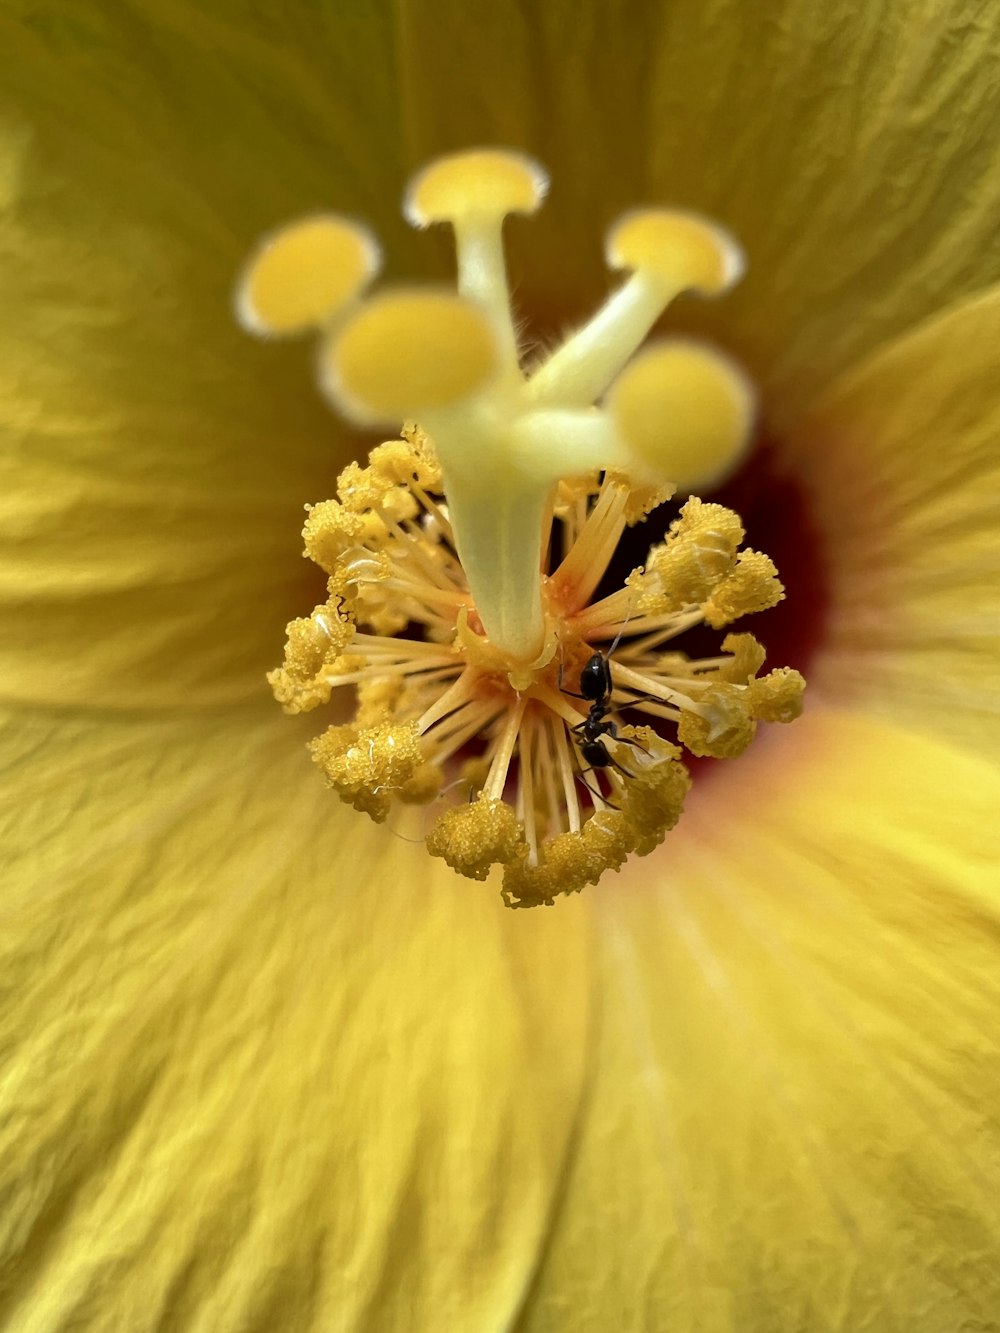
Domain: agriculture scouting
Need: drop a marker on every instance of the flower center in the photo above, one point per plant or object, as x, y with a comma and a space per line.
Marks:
463, 560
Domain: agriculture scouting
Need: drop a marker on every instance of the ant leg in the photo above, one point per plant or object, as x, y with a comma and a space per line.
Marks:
610, 729
639, 699
596, 792
628, 740
616, 765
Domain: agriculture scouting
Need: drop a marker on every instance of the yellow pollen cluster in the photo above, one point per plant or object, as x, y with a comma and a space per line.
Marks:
490, 681
697, 558
368, 765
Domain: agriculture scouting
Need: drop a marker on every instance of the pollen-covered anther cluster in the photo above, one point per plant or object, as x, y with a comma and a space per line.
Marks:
487, 677
437, 719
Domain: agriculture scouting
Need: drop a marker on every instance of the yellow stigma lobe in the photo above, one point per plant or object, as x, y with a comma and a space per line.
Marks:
485, 183
705, 398
681, 251
409, 351
303, 275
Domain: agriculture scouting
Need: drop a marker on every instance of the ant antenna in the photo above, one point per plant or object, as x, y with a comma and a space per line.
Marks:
440, 797
417, 842
624, 627
458, 783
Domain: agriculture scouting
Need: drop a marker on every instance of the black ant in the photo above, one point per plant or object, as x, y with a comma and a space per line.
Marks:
595, 688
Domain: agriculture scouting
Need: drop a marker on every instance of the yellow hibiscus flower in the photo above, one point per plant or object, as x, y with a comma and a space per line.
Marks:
267, 1066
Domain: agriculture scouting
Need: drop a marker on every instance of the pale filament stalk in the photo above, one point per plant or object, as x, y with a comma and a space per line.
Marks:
434, 573
547, 769
452, 736
671, 627
482, 277
663, 710
568, 780
584, 566
461, 692
420, 670
495, 782
372, 644
432, 507
526, 785
553, 443
582, 370
499, 536
425, 593
637, 680
559, 704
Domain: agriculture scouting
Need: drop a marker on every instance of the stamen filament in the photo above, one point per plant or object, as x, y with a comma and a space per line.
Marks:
560, 705
547, 771
497, 778
583, 568
380, 643
436, 512
421, 592
450, 737
456, 696
611, 615
660, 710
645, 684
526, 787
391, 669
568, 779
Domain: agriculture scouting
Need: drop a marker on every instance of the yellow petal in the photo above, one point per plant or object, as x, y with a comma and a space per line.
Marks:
902, 468
851, 153
155, 460
266, 1066
793, 1112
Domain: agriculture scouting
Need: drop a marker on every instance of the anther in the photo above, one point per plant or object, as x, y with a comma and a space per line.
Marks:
301, 276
